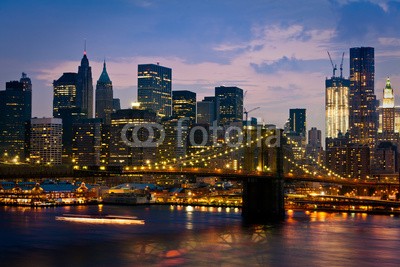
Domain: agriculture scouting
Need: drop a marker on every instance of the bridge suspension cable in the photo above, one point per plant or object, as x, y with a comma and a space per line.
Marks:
323, 167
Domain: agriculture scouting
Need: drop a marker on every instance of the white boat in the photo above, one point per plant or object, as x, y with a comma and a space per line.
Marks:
99, 219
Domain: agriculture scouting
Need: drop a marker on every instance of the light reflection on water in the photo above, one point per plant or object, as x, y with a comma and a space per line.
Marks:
187, 235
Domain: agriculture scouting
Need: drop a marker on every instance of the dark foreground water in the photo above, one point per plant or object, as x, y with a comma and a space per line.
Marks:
187, 236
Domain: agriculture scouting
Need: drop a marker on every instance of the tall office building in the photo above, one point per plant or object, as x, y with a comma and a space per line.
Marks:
154, 89
86, 142
65, 107
104, 97
64, 93
132, 153
26, 81
229, 105
314, 149
16, 112
84, 87
363, 121
206, 111
388, 109
46, 141
184, 105
336, 106
297, 121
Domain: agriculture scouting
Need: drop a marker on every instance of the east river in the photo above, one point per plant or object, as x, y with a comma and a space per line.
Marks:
195, 236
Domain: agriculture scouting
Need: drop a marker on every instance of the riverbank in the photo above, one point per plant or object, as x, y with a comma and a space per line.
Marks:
288, 208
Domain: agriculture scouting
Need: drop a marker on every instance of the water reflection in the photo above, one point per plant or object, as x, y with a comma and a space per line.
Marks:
189, 235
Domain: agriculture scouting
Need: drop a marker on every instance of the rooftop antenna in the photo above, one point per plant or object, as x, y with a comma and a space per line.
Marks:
341, 66
333, 65
84, 48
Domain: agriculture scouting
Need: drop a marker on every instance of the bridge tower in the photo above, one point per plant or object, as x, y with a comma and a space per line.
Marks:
263, 198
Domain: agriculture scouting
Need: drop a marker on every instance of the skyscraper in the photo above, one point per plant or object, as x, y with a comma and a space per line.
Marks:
46, 141
154, 89
388, 109
123, 153
363, 119
64, 93
336, 106
314, 149
206, 111
86, 142
84, 87
65, 107
16, 112
104, 97
184, 105
229, 104
297, 121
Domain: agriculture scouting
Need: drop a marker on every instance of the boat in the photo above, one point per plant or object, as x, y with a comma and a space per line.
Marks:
126, 199
99, 219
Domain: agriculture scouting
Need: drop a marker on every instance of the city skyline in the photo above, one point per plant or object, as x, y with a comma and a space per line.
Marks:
277, 59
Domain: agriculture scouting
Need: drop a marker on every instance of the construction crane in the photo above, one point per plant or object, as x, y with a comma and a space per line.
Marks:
333, 65
341, 66
246, 113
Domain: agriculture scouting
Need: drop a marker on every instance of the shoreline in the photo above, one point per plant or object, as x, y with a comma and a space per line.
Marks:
287, 209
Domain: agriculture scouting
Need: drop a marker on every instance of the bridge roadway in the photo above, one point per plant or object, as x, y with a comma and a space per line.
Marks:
240, 175
50, 173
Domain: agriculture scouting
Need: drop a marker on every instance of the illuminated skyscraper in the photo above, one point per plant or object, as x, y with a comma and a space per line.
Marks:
16, 112
387, 110
154, 89
336, 106
65, 107
86, 142
206, 111
184, 105
314, 149
363, 120
46, 141
64, 93
126, 147
229, 105
84, 87
104, 97
297, 121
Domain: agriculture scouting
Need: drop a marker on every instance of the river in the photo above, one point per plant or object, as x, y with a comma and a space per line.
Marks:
195, 236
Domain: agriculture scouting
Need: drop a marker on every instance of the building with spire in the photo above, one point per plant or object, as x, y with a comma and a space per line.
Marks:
386, 152
387, 110
84, 87
104, 97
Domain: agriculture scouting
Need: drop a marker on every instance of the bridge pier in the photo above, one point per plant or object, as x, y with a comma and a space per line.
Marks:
263, 198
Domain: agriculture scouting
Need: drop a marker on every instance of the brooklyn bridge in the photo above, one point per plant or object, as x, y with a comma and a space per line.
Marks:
263, 183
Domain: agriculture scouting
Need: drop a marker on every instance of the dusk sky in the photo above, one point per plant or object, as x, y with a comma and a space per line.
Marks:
275, 50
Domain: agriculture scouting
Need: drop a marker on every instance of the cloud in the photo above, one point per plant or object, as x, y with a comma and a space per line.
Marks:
284, 63
389, 41
366, 21
271, 67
